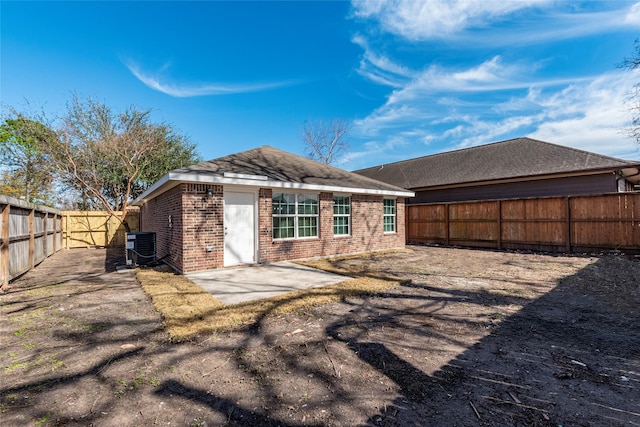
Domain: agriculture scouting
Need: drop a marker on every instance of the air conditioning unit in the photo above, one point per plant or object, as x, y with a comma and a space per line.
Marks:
141, 248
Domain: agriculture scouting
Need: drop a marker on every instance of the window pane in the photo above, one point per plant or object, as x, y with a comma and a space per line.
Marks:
389, 224
295, 215
307, 204
284, 204
283, 228
307, 226
341, 205
340, 225
389, 215
389, 207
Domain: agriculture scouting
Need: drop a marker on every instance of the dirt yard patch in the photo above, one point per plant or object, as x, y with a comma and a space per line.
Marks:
188, 310
476, 338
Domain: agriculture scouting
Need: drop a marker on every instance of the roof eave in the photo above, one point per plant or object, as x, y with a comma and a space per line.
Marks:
528, 178
172, 179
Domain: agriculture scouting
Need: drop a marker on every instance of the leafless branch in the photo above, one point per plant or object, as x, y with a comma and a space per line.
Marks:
325, 141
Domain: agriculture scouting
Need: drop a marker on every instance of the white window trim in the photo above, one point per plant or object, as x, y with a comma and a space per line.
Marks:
394, 215
296, 216
348, 216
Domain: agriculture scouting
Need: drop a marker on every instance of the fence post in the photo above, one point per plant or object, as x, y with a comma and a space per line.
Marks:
568, 226
4, 248
45, 245
499, 224
446, 222
65, 229
32, 238
57, 233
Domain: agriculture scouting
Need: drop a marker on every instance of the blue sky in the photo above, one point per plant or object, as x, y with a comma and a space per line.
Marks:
415, 78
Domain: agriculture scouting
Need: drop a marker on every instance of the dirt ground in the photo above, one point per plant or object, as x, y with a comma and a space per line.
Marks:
476, 338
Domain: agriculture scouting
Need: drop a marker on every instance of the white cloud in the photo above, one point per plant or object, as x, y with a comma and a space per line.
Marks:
591, 117
184, 91
633, 15
485, 131
541, 20
380, 68
430, 95
588, 114
488, 76
451, 107
421, 20
376, 147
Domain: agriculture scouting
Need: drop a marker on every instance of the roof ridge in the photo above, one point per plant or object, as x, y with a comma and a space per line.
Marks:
475, 147
272, 152
447, 152
337, 169
579, 150
240, 152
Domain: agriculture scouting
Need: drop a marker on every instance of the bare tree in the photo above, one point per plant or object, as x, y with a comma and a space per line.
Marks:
111, 158
325, 141
633, 63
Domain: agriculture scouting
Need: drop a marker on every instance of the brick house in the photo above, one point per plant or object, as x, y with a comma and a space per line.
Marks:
268, 205
517, 168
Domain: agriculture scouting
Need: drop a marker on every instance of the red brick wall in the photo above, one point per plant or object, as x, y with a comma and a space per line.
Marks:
366, 230
154, 216
198, 223
203, 219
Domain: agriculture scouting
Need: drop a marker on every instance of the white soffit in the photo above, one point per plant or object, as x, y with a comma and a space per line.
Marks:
256, 181
245, 176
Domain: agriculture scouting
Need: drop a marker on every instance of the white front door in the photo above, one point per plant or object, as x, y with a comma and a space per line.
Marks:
239, 228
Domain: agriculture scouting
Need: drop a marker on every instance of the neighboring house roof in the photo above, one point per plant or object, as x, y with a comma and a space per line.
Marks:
512, 159
269, 167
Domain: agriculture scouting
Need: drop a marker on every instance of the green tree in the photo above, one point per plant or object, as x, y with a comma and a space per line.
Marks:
110, 157
11, 184
22, 154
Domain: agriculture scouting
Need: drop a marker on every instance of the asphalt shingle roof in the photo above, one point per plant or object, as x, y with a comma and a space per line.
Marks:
514, 158
282, 166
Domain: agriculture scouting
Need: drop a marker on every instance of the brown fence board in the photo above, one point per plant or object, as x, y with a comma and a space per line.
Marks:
29, 234
429, 222
559, 224
96, 228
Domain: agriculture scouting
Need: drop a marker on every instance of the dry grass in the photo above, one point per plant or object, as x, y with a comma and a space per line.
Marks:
188, 310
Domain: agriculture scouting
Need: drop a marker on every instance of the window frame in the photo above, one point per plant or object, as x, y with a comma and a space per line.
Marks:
302, 214
342, 215
386, 215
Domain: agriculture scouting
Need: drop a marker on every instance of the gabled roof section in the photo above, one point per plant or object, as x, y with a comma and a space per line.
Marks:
272, 168
514, 158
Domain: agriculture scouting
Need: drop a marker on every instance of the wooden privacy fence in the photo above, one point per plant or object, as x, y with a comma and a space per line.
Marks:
554, 224
97, 228
29, 234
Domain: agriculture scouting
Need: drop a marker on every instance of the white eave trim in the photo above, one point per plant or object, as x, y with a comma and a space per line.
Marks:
165, 182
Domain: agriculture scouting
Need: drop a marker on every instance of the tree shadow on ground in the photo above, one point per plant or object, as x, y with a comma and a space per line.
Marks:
364, 361
115, 257
565, 347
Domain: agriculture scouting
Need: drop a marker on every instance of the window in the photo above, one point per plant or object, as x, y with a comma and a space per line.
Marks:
341, 215
284, 212
295, 215
389, 216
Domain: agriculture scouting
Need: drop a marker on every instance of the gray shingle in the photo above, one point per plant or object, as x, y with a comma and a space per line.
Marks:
278, 165
514, 158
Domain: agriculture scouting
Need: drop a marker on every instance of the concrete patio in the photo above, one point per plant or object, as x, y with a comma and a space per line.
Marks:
249, 283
